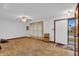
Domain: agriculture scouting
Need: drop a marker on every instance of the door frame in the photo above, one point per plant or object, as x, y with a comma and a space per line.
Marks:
67, 32
37, 27
77, 9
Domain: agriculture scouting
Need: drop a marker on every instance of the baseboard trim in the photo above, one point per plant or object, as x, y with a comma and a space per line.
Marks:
28, 37
18, 38
51, 41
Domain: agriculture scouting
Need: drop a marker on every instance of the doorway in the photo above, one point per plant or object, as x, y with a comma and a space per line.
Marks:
71, 33
64, 34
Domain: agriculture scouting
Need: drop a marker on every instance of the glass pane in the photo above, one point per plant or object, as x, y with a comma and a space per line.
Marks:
71, 32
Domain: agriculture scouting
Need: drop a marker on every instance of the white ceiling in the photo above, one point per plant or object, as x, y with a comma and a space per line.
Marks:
35, 10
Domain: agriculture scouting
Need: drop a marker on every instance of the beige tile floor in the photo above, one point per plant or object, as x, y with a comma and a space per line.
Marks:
32, 47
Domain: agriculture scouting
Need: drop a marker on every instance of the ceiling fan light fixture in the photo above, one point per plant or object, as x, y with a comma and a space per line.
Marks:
24, 18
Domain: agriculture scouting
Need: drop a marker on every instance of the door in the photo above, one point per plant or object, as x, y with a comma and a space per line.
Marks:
33, 30
37, 30
40, 30
61, 31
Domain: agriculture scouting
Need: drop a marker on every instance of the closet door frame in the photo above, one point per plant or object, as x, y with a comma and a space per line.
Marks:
37, 28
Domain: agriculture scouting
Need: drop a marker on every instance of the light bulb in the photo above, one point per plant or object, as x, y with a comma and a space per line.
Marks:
24, 20
69, 13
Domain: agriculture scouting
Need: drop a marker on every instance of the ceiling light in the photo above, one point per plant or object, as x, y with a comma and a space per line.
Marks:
24, 18
69, 13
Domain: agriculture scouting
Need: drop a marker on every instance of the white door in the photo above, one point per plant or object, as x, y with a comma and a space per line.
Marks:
61, 31
37, 30
40, 30
33, 30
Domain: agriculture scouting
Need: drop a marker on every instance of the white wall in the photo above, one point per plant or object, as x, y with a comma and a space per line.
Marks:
27, 31
10, 28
